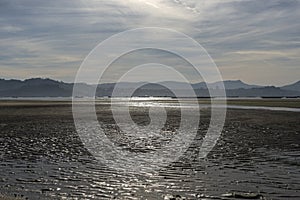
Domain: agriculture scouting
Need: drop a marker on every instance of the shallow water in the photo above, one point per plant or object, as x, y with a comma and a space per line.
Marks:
42, 156
192, 105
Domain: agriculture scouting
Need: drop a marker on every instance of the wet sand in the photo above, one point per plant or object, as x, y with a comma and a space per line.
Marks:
42, 157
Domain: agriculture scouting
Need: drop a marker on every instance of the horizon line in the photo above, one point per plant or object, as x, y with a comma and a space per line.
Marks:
54, 79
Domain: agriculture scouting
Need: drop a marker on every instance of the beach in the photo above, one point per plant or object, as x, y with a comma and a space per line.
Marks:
42, 156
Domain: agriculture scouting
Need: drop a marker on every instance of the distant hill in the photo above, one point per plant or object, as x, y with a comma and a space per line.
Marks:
269, 91
235, 84
38, 87
10, 84
293, 87
35, 87
231, 85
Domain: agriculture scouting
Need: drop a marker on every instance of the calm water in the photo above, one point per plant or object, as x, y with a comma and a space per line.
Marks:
42, 156
187, 104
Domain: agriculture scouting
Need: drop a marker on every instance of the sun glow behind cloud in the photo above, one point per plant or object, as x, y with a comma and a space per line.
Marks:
153, 3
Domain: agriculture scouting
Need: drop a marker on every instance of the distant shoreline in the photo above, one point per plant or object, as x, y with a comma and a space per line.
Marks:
232, 103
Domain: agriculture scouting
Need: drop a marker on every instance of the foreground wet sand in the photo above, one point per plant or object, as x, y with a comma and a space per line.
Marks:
42, 156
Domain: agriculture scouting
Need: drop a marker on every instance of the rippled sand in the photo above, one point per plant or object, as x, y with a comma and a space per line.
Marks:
42, 156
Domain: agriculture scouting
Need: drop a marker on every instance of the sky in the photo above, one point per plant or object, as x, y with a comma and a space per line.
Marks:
255, 41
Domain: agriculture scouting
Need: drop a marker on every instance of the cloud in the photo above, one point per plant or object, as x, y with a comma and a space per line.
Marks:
10, 29
55, 36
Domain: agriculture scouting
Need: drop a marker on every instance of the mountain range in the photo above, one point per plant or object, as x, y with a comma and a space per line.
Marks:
39, 87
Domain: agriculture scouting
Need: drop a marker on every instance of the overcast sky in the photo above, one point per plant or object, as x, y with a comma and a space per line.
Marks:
252, 40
